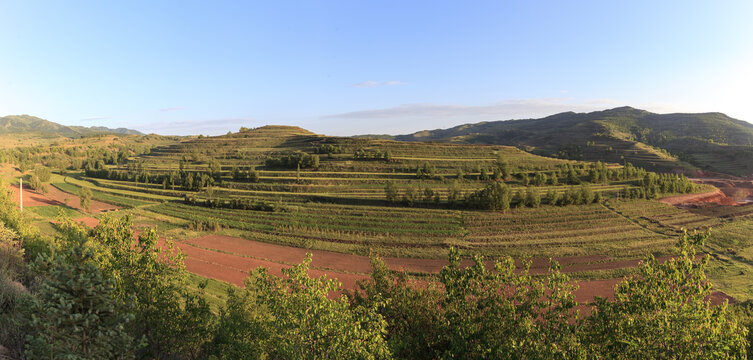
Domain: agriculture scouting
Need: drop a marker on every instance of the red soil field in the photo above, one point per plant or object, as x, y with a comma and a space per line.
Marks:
75, 202
234, 269
88, 221
738, 189
58, 197
229, 261
32, 198
360, 264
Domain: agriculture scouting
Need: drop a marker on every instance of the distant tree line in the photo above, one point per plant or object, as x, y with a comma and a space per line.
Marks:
329, 149
362, 154
240, 204
187, 180
299, 160
494, 196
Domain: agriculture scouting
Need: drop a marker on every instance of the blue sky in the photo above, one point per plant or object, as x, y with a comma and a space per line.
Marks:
356, 67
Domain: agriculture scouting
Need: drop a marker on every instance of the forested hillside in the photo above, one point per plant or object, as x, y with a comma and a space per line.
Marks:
25, 124
662, 142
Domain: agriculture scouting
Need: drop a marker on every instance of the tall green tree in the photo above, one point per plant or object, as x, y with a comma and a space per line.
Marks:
175, 320
85, 195
391, 192
77, 314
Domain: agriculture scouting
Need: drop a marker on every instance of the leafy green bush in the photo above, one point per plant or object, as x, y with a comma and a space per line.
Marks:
294, 318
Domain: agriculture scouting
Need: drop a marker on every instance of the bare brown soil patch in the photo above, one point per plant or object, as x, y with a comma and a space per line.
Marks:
230, 259
31, 197
718, 298
716, 197
88, 221
74, 201
360, 264
588, 290
738, 190
55, 196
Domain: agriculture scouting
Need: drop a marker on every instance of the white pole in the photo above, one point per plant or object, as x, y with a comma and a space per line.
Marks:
21, 192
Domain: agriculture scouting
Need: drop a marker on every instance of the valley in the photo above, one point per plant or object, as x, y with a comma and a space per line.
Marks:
229, 208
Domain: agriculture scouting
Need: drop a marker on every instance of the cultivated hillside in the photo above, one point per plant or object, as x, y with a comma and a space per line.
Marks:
661, 142
24, 124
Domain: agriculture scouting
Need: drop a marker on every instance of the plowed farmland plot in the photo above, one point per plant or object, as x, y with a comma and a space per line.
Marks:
57, 197
230, 259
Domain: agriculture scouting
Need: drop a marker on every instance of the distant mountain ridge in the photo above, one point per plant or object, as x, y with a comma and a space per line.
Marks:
14, 124
661, 142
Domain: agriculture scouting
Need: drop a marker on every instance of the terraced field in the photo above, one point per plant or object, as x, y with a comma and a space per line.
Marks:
338, 209
575, 230
663, 218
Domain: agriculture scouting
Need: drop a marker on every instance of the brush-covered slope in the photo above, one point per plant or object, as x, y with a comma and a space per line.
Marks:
24, 124
661, 142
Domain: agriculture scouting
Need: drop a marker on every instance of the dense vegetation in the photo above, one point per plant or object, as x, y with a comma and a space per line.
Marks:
97, 294
286, 186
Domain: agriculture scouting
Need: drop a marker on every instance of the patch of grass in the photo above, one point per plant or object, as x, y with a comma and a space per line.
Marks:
53, 211
215, 291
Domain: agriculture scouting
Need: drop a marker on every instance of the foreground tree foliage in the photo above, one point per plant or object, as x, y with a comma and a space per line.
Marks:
102, 293
662, 313
477, 313
175, 320
293, 318
76, 313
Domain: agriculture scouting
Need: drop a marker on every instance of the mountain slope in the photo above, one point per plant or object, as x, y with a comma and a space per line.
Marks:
660, 142
17, 124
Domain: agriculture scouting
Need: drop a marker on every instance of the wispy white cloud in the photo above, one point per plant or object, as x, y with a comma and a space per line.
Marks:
503, 110
195, 127
369, 84
167, 109
96, 118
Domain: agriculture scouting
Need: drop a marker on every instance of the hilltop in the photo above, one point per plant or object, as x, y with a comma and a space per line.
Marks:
660, 142
25, 124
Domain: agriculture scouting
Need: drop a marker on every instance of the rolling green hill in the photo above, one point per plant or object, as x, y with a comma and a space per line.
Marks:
17, 124
658, 142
